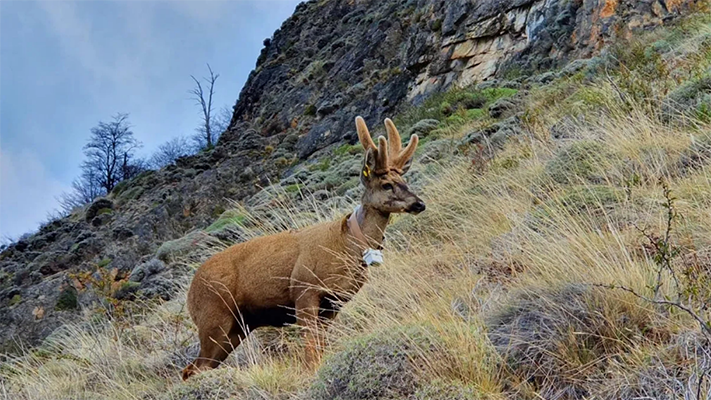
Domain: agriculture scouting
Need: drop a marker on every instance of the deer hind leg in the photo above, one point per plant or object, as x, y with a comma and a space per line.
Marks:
216, 343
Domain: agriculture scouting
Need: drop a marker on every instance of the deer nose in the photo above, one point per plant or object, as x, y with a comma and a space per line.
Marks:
417, 208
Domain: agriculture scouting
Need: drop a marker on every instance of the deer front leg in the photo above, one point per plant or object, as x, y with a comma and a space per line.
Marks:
307, 308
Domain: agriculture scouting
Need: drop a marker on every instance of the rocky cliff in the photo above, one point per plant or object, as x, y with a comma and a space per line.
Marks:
330, 61
334, 59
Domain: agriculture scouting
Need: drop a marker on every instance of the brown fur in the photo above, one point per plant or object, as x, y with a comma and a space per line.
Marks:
298, 276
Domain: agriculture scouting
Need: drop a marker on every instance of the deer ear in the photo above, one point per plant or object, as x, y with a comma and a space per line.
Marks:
369, 163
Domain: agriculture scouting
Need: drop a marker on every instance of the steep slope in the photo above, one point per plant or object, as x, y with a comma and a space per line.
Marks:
330, 61
533, 273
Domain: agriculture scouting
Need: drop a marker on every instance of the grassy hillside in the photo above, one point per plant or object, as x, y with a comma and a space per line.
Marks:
540, 269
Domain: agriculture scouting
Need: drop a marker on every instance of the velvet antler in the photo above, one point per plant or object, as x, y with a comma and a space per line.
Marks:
399, 158
380, 152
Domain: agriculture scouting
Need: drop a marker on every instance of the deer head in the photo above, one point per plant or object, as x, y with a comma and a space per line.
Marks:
383, 168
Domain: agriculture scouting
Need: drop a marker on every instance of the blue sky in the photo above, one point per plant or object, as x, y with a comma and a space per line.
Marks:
65, 66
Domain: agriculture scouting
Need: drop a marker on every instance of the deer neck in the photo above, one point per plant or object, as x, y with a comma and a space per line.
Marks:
372, 224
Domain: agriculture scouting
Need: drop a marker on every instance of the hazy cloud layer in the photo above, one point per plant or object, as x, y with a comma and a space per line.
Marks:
27, 187
64, 66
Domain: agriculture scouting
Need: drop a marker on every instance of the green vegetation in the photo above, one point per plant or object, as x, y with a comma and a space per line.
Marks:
119, 188
295, 188
228, 218
67, 299
310, 110
322, 165
349, 184
351, 149
16, 299
181, 247
130, 194
379, 365
103, 262
454, 109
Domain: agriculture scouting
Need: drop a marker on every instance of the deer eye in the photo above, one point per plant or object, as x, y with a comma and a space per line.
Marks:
387, 186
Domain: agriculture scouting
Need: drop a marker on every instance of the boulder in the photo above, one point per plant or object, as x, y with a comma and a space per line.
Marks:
97, 207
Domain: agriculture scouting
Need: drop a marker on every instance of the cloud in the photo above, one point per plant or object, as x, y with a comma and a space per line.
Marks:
68, 65
111, 51
27, 191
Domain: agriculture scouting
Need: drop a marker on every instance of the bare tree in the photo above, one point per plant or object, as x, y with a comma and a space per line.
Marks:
84, 190
203, 97
170, 151
222, 120
132, 166
110, 152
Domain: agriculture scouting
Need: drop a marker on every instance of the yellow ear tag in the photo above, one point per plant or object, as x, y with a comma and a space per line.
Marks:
366, 171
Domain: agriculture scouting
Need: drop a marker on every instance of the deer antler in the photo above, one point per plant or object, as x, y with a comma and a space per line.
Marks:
364, 134
383, 161
399, 158
393, 139
380, 151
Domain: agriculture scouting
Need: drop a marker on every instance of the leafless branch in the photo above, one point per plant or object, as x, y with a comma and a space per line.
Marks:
705, 328
203, 98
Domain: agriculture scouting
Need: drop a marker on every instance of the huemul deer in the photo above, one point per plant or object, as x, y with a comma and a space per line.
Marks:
300, 276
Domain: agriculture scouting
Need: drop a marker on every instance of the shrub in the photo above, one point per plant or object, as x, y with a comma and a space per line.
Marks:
692, 99
591, 200
579, 198
104, 211
493, 94
423, 128
581, 161
67, 299
349, 184
376, 366
126, 290
120, 187
310, 110
560, 339
323, 165
130, 194
183, 246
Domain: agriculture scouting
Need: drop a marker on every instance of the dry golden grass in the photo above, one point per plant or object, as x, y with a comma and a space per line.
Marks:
499, 273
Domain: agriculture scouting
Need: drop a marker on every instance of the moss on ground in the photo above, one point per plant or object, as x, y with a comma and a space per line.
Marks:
16, 299
103, 262
295, 188
351, 149
172, 249
461, 102
227, 219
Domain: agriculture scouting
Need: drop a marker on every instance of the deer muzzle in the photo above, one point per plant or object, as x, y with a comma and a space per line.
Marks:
416, 207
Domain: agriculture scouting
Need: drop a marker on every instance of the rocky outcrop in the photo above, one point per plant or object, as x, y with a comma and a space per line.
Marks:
369, 57
330, 61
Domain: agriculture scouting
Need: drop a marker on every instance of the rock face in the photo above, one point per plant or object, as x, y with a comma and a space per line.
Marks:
330, 61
